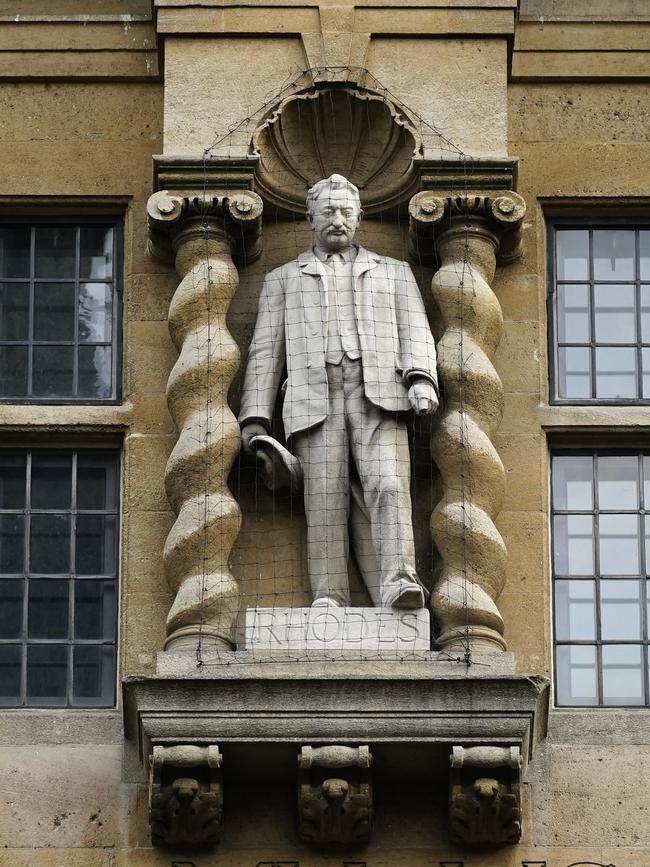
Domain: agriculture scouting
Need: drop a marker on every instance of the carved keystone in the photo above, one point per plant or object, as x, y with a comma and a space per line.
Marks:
185, 795
334, 808
484, 796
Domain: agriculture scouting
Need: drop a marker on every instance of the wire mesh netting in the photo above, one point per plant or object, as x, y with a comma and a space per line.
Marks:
337, 391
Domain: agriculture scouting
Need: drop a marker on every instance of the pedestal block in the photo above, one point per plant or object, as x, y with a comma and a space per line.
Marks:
367, 630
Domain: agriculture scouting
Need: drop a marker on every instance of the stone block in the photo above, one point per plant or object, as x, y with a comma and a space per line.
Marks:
468, 104
61, 796
267, 630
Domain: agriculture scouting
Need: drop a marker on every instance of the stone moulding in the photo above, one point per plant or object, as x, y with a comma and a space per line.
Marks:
465, 234
484, 796
335, 704
334, 794
185, 795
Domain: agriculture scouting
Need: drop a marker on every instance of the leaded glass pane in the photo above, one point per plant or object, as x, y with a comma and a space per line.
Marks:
48, 609
12, 591
94, 675
576, 675
573, 313
53, 370
55, 251
572, 254
622, 675
618, 482
575, 610
613, 254
573, 482
574, 372
14, 251
573, 542
14, 362
14, 311
615, 313
616, 372
47, 673
620, 610
10, 666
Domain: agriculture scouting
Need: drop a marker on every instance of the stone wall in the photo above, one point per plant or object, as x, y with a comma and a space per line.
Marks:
79, 129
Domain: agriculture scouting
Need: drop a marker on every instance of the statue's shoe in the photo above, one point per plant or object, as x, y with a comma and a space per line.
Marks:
326, 601
408, 596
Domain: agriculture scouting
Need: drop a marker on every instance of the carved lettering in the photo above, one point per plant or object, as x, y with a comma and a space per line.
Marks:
410, 622
355, 630
266, 630
325, 626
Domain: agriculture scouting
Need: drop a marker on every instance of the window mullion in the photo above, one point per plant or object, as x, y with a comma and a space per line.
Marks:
26, 579
30, 312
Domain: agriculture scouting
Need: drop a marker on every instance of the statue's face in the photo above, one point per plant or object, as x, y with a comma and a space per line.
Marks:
334, 218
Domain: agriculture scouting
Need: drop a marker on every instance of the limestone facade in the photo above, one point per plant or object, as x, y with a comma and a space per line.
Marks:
105, 107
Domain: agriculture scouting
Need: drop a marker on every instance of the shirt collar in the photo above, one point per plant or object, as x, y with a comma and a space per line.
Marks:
348, 255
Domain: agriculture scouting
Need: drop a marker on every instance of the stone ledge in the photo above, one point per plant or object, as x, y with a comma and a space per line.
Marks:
334, 665
324, 703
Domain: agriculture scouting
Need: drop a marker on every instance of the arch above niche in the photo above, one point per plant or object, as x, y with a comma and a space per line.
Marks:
336, 128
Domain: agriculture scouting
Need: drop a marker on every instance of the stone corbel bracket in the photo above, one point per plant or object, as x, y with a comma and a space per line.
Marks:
484, 796
335, 794
502, 214
237, 213
185, 795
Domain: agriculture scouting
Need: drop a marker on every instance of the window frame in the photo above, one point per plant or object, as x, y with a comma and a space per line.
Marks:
639, 451
117, 222
74, 449
592, 223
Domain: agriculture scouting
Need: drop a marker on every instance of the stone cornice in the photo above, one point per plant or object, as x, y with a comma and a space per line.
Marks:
466, 177
303, 708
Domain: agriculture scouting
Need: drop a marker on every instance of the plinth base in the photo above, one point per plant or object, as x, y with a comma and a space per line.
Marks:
366, 630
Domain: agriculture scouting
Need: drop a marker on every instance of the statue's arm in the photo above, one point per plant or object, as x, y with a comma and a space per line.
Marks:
417, 347
266, 356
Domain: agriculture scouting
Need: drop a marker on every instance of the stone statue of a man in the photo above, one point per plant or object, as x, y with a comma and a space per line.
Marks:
351, 328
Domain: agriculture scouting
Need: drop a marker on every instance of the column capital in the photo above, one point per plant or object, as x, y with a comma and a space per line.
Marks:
500, 215
235, 215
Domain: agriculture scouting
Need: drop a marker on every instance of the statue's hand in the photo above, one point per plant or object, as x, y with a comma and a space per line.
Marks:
249, 431
422, 397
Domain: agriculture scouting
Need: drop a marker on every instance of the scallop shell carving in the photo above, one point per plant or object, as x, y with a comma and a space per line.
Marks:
343, 130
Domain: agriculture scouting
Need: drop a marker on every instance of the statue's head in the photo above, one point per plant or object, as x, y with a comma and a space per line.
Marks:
334, 212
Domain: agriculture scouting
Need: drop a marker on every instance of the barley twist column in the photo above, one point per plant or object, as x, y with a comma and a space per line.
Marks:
201, 234
469, 232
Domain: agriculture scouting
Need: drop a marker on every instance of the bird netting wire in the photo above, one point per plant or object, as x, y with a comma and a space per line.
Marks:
268, 558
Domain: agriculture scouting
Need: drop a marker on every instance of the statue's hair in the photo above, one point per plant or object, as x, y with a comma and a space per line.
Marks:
334, 182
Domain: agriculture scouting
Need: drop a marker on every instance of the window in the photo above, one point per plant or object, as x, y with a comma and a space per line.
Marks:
58, 577
600, 313
601, 557
59, 311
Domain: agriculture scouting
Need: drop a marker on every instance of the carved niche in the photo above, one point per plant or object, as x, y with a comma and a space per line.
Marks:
484, 796
185, 795
338, 128
334, 807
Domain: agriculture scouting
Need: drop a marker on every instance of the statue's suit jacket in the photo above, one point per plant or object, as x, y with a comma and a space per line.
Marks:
396, 341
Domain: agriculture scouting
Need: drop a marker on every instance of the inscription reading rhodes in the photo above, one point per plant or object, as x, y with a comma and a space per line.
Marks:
331, 628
